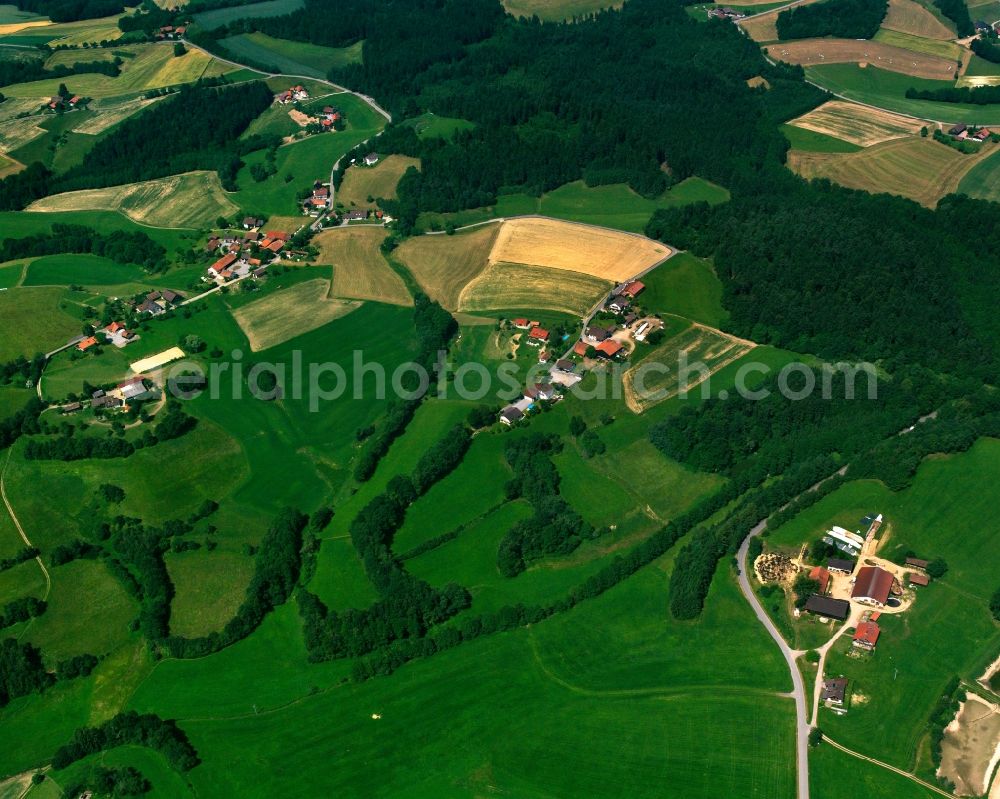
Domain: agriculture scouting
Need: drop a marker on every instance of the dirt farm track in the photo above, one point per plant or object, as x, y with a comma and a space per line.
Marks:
846, 51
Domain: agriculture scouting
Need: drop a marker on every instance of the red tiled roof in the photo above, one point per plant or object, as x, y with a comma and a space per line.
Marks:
223, 262
873, 583
822, 576
280, 235
633, 288
916, 578
275, 246
539, 333
86, 344
580, 348
114, 327
520, 322
867, 632
609, 347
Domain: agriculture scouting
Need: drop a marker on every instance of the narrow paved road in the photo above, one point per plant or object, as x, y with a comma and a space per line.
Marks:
17, 524
790, 655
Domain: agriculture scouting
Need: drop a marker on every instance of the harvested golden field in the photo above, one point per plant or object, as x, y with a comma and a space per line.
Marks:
362, 182
606, 254
290, 312
647, 385
921, 169
8, 166
908, 16
190, 200
360, 272
844, 51
761, 27
857, 124
14, 27
444, 265
557, 10
511, 286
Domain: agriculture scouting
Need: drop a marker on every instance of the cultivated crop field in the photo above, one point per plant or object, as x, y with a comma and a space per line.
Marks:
857, 124
645, 388
505, 285
921, 169
154, 66
192, 200
360, 271
869, 53
289, 312
361, 182
908, 16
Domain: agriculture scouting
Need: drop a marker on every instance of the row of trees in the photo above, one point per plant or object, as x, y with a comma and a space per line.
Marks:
22, 671
23, 70
958, 12
130, 729
124, 247
984, 48
554, 528
22, 609
974, 95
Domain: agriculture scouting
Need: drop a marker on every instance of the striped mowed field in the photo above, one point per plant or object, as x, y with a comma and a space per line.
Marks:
360, 272
857, 124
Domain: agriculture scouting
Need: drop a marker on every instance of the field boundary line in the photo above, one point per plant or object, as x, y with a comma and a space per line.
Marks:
17, 523
899, 771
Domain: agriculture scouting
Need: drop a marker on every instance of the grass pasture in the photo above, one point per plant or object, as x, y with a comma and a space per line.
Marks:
379, 181
430, 126
645, 388
208, 589
507, 285
685, 286
908, 16
856, 124
983, 180
289, 312
190, 200
921, 169
110, 113
34, 321
811, 141
809, 52
83, 269
293, 58
360, 272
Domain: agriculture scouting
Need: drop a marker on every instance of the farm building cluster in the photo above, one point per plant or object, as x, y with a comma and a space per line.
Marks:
292, 94
725, 12
117, 333
69, 102
963, 132
841, 579
167, 32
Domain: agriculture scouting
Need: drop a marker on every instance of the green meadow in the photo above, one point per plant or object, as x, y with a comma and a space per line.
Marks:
686, 286
983, 180
811, 141
887, 90
83, 269
430, 125
293, 58
836, 775
223, 16
35, 320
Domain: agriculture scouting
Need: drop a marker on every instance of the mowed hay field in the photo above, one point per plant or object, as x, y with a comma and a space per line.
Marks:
921, 169
362, 182
111, 115
557, 10
445, 265
646, 387
599, 252
290, 312
33, 322
837, 51
857, 124
504, 285
360, 272
154, 66
8, 166
919, 44
908, 16
191, 200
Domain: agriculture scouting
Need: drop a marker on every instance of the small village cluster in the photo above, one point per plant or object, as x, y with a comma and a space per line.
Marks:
135, 389
117, 333
725, 12
171, 32
246, 254
606, 341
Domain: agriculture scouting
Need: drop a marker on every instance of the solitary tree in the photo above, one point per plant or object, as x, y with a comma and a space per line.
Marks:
179, 49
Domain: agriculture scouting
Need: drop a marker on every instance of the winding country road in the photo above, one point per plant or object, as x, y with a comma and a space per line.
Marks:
798, 686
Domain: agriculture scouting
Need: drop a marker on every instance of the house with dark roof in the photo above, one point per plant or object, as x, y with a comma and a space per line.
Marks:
827, 607
595, 334
250, 222
834, 691
840, 565
565, 365
872, 586
541, 391
619, 304
917, 563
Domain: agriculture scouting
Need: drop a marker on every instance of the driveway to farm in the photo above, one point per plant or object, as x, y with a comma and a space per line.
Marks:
790, 655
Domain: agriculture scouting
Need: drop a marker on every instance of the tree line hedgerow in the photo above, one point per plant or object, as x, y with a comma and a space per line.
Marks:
847, 19
121, 246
